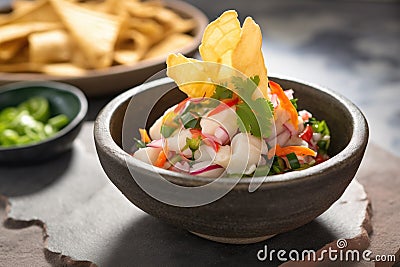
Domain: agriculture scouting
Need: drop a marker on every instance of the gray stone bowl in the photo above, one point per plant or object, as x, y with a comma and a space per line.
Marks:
282, 202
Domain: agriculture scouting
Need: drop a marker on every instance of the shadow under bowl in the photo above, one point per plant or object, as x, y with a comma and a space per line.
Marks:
282, 202
63, 99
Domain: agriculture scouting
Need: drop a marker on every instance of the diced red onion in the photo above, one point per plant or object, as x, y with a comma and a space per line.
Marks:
289, 93
156, 143
182, 166
283, 138
197, 100
204, 169
289, 126
222, 135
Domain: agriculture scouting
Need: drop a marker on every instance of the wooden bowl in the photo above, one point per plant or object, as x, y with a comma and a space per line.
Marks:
116, 79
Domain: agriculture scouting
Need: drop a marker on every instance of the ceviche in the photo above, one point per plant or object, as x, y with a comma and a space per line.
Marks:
240, 123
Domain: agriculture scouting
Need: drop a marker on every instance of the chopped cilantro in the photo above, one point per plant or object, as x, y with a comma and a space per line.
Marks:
322, 128
294, 102
221, 92
254, 116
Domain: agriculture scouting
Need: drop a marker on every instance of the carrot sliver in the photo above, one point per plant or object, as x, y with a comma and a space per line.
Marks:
144, 136
161, 159
298, 150
285, 103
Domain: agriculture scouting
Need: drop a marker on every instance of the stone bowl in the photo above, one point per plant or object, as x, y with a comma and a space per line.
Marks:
63, 99
282, 202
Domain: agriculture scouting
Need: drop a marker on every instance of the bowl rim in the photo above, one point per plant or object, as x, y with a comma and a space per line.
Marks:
49, 85
177, 5
358, 141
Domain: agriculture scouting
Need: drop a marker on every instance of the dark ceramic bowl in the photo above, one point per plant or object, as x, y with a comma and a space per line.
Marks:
118, 78
63, 99
282, 202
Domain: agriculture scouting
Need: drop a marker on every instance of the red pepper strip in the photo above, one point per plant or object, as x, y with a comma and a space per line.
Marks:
307, 134
298, 150
320, 158
285, 103
181, 105
226, 103
196, 133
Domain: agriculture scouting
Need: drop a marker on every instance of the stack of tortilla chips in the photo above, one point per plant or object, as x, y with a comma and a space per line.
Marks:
68, 37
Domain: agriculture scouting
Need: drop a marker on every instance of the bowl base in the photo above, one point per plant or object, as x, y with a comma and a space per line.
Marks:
234, 240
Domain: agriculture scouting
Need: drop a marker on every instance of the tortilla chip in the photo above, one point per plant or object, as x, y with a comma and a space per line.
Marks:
32, 11
169, 45
220, 39
186, 76
247, 56
9, 49
50, 47
172, 21
21, 30
141, 9
63, 69
131, 47
153, 30
19, 67
94, 32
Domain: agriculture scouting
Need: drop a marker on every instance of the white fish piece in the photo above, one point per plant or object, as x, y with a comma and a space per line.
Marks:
226, 118
155, 129
148, 155
223, 156
246, 152
281, 116
295, 141
282, 139
178, 141
300, 124
205, 153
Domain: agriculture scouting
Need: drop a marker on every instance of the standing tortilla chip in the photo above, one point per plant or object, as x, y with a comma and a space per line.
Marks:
192, 77
247, 56
220, 38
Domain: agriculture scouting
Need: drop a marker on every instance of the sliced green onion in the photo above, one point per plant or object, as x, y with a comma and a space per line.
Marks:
293, 161
139, 143
167, 131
